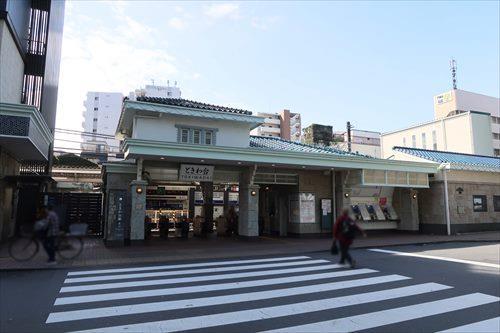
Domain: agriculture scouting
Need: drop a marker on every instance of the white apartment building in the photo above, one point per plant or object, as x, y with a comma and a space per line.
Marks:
362, 142
285, 125
464, 122
101, 115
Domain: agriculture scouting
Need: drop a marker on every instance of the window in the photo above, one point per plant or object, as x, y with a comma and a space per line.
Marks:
184, 135
414, 141
94, 130
196, 136
479, 203
95, 119
496, 152
208, 137
434, 140
96, 98
496, 136
404, 142
95, 109
424, 144
496, 203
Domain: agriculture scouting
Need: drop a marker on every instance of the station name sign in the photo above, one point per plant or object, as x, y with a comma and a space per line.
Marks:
193, 172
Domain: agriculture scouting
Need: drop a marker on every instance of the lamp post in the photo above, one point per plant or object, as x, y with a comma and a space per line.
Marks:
444, 167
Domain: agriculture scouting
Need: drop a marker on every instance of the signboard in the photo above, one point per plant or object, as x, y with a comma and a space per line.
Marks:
326, 206
193, 172
233, 197
444, 98
303, 208
307, 208
198, 198
218, 198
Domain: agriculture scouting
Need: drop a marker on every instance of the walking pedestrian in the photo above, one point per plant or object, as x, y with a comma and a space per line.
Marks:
52, 232
344, 231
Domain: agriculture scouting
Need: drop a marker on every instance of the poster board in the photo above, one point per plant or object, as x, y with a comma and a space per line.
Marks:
303, 208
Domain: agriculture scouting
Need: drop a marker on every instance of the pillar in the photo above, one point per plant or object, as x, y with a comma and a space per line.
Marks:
248, 222
138, 210
406, 205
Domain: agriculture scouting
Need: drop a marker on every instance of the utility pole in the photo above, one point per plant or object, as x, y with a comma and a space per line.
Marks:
349, 138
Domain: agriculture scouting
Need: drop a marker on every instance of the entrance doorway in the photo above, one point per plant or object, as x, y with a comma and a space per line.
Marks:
274, 209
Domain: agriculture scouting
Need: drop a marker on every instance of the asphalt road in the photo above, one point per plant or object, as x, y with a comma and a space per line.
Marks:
404, 289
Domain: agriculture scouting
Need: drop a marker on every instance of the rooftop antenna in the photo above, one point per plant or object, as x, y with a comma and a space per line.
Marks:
453, 68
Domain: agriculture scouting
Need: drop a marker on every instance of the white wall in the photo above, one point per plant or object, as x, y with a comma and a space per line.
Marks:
230, 134
108, 112
465, 133
11, 67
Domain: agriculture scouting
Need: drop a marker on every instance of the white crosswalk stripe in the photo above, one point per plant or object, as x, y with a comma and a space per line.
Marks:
192, 271
251, 292
164, 267
211, 287
485, 326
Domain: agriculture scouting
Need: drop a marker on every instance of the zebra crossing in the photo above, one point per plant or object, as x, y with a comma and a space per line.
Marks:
281, 294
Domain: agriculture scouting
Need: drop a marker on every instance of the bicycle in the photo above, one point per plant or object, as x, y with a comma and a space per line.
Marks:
68, 245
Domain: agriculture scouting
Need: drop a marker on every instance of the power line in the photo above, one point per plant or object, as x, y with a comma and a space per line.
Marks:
75, 132
86, 143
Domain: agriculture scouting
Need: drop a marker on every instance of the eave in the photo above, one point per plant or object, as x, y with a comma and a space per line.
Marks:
135, 148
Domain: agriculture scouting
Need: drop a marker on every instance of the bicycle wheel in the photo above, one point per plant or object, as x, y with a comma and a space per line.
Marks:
23, 248
70, 247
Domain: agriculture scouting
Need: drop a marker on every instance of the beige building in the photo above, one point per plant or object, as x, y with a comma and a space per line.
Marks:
468, 132
285, 125
460, 101
463, 122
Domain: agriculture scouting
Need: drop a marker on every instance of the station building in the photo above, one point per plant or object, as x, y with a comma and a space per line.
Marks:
195, 160
463, 196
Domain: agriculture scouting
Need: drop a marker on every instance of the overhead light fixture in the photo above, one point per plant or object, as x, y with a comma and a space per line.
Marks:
303, 167
414, 195
202, 161
253, 193
239, 162
266, 188
273, 165
162, 158
346, 195
138, 190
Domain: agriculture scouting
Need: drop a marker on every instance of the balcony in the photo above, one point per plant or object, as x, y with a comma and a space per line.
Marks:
24, 133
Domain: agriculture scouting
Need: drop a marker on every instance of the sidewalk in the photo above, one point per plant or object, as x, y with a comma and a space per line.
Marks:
95, 253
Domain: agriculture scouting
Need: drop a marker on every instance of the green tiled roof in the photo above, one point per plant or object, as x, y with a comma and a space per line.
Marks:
273, 143
73, 161
458, 161
191, 104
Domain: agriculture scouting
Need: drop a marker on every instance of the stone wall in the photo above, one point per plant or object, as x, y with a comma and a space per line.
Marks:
8, 167
462, 216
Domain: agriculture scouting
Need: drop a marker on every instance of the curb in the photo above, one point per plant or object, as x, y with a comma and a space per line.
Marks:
165, 260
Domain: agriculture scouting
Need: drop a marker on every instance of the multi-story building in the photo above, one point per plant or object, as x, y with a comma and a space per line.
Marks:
285, 125
362, 142
30, 53
316, 134
460, 101
464, 122
101, 115
151, 90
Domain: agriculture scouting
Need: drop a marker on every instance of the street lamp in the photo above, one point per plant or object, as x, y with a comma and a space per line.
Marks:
444, 167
